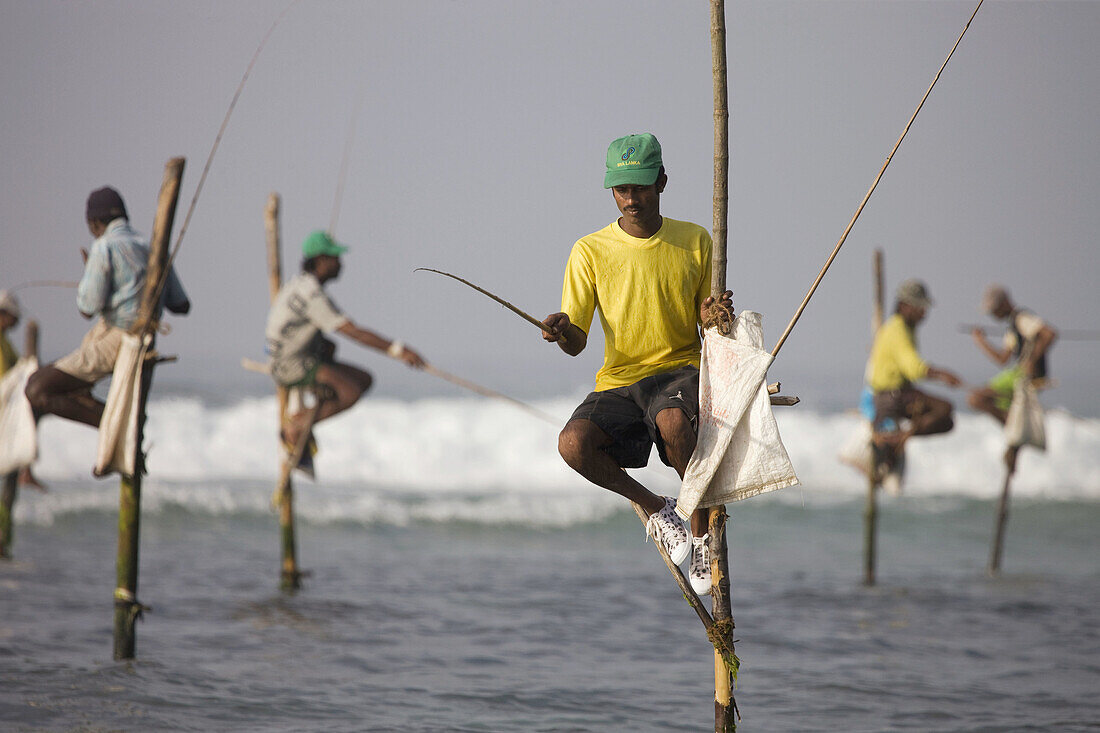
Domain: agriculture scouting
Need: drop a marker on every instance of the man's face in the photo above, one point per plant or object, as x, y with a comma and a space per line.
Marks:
637, 204
7, 320
1003, 309
913, 314
328, 267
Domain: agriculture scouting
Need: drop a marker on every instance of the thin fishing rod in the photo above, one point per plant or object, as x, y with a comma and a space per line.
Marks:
486, 392
45, 284
342, 177
525, 316
843, 237
1073, 334
214, 149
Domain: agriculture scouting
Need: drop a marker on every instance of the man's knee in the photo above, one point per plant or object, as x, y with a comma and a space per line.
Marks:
36, 390
577, 441
979, 399
569, 445
675, 427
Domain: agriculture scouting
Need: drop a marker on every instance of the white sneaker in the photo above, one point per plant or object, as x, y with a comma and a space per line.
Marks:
667, 527
699, 569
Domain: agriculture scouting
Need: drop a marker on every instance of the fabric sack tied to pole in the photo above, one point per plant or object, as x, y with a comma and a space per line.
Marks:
119, 427
18, 435
1024, 423
739, 453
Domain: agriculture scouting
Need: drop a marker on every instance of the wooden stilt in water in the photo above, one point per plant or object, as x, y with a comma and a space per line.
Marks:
870, 528
9, 490
999, 525
127, 608
9, 484
870, 512
725, 664
290, 576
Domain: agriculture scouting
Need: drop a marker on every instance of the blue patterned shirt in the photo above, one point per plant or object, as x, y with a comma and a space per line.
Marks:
114, 277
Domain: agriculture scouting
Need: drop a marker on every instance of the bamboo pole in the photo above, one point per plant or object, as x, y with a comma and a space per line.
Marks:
127, 608
725, 706
9, 490
9, 485
870, 512
870, 527
999, 524
290, 576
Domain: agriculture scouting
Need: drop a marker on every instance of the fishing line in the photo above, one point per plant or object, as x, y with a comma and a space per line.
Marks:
214, 149
342, 177
863, 203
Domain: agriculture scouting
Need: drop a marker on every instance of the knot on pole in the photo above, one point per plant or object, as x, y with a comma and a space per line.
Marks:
721, 636
720, 317
124, 599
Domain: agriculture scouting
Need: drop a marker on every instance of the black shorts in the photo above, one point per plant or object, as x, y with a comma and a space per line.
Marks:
629, 414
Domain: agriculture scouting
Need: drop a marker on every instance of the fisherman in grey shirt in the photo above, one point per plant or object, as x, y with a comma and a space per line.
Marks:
300, 354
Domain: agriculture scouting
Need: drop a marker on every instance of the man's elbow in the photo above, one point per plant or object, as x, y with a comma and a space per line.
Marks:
181, 309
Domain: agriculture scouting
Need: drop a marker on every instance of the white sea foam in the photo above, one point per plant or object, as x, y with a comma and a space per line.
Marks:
464, 459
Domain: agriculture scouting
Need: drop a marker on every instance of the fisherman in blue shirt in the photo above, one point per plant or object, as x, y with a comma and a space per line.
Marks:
111, 288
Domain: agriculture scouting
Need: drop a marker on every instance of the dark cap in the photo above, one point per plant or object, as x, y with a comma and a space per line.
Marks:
105, 204
914, 293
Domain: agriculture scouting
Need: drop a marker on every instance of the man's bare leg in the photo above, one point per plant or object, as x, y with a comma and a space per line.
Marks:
985, 400
347, 383
679, 439
580, 443
54, 392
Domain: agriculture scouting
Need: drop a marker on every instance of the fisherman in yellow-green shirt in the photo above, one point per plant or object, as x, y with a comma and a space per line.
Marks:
895, 365
649, 278
9, 319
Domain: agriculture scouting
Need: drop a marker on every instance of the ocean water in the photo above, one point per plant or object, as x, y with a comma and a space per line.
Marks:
463, 579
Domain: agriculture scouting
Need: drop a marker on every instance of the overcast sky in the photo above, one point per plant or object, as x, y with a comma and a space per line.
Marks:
479, 149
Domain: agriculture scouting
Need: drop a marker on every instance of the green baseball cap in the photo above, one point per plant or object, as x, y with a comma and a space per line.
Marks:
633, 160
320, 243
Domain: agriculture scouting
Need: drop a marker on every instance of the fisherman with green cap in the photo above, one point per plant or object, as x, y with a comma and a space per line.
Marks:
648, 276
300, 354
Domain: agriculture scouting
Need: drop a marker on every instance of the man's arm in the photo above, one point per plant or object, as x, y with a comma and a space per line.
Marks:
998, 356
569, 336
374, 341
94, 289
1043, 341
943, 375
175, 299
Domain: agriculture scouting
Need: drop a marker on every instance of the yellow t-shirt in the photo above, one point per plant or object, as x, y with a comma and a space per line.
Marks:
648, 292
894, 361
8, 354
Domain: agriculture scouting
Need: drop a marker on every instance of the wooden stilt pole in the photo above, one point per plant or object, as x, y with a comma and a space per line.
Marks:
9, 490
999, 526
290, 577
127, 608
9, 484
870, 512
725, 707
870, 527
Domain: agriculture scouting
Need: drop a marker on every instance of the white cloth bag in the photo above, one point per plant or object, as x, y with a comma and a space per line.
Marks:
18, 435
118, 429
1024, 424
738, 453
